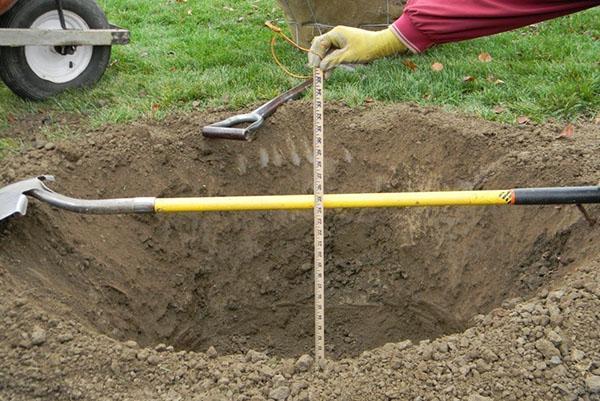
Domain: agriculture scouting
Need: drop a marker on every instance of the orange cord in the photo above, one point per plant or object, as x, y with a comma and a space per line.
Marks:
279, 32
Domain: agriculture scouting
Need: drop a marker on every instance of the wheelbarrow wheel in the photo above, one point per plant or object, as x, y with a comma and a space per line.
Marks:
39, 72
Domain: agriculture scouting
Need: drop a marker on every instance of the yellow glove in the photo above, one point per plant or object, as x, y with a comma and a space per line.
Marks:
345, 45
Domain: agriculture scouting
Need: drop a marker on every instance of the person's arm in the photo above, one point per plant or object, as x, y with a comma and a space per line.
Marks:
426, 23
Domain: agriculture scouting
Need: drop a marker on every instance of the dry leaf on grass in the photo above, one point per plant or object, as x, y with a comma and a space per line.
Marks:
437, 67
485, 57
468, 78
498, 109
494, 80
410, 64
523, 120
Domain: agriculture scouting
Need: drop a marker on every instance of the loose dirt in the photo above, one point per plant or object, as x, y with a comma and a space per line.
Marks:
422, 304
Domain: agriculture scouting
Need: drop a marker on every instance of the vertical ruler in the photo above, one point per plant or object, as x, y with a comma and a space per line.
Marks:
319, 189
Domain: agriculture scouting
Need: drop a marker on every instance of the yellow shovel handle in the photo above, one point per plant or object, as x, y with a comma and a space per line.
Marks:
341, 201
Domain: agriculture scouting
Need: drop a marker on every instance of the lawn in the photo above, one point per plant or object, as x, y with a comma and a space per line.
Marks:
190, 55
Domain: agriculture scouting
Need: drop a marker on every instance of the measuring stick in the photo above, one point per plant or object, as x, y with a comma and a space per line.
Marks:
319, 190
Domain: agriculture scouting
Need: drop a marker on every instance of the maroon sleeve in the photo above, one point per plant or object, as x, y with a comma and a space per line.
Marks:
429, 22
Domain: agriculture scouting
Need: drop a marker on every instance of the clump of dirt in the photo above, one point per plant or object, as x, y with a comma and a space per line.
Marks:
241, 282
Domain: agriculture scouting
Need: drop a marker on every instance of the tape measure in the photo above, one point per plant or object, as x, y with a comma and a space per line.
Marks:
319, 190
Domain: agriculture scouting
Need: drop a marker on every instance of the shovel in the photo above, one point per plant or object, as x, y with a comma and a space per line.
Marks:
14, 200
227, 129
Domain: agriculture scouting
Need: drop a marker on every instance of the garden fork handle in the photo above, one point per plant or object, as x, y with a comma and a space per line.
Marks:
226, 129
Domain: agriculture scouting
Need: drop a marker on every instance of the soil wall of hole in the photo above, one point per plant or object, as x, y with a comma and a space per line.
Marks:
244, 280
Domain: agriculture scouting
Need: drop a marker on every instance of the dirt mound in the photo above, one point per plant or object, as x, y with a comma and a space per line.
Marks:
243, 281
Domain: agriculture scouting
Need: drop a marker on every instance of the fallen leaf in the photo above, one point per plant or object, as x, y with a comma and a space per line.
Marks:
498, 109
155, 107
437, 67
523, 120
485, 57
410, 64
369, 100
189, 12
11, 118
173, 69
468, 78
568, 131
494, 80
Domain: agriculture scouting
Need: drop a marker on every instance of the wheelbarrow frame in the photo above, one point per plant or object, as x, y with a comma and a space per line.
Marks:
10, 37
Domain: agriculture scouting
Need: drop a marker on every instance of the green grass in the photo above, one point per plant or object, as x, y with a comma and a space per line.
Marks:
8, 145
196, 54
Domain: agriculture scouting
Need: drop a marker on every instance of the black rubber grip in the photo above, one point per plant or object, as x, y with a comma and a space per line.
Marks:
557, 196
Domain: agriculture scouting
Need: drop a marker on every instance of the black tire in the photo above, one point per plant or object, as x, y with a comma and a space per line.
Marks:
14, 68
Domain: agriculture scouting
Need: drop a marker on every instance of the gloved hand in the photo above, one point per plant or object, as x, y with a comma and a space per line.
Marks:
345, 45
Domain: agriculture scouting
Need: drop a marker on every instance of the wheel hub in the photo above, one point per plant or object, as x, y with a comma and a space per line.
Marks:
59, 64
65, 50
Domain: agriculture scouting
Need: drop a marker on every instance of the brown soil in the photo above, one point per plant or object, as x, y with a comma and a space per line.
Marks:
243, 281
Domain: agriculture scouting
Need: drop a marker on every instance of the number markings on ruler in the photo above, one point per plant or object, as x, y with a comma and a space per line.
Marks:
319, 190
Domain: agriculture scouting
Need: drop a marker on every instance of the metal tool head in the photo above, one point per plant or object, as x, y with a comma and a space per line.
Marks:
13, 198
226, 129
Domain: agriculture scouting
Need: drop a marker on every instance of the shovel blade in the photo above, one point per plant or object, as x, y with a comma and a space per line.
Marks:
13, 198
12, 205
